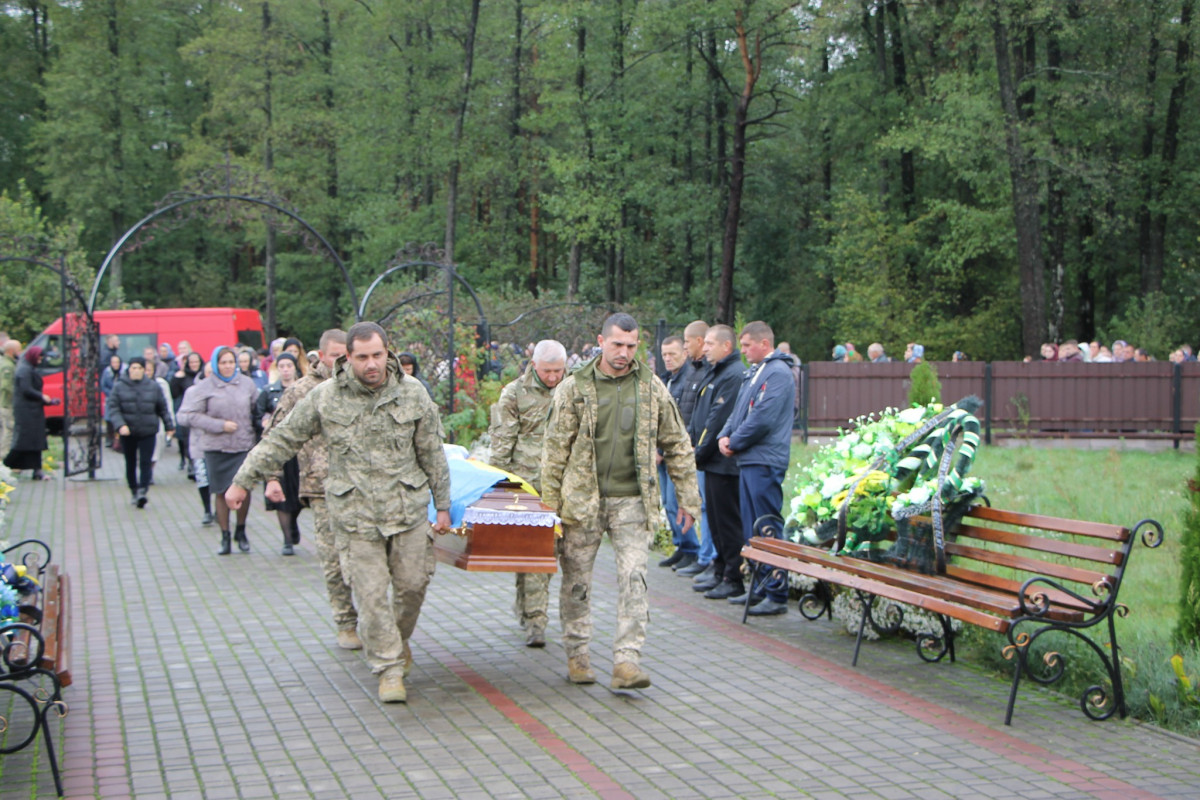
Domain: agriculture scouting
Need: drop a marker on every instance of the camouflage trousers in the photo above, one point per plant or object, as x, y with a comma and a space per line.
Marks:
624, 518
374, 563
533, 599
6, 429
337, 586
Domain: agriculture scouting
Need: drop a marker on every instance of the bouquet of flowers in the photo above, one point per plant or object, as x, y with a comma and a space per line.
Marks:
883, 471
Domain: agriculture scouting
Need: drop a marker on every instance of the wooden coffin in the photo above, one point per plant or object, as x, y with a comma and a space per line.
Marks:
506, 530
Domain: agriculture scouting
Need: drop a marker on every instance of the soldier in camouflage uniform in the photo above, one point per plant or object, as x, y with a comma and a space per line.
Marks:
384, 441
314, 469
607, 420
518, 424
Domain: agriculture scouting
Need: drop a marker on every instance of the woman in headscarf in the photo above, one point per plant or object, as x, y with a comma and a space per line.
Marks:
412, 368
108, 379
288, 509
221, 410
190, 371
248, 365
29, 416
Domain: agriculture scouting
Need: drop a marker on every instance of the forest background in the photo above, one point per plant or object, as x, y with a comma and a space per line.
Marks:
977, 175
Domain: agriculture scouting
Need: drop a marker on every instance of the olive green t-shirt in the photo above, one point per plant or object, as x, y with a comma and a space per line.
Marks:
616, 419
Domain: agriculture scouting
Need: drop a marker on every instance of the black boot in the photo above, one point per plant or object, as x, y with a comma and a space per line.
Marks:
287, 544
140, 501
239, 536
225, 549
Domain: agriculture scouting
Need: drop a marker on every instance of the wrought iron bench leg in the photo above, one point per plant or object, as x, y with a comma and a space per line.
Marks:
866, 600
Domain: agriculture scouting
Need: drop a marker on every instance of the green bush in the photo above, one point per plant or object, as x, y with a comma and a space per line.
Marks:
924, 386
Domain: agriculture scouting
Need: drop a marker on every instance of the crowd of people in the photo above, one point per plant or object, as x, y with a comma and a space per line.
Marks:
1071, 350
351, 432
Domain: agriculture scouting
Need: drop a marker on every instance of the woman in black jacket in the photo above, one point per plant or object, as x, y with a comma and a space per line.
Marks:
137, 405
287, 510
29, 416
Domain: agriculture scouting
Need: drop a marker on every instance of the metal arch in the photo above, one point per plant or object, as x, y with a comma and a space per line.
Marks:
116, 248
362, 309
62, 273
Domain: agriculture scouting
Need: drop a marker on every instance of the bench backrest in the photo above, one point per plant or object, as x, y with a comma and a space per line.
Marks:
1075, 563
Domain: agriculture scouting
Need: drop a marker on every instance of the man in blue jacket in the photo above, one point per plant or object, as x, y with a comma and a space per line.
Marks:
758, 435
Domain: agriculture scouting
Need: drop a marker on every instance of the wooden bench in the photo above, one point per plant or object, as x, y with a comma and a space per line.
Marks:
1021, 575
35, 653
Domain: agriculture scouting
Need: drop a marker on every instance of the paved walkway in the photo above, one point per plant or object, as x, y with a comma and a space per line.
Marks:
214, 678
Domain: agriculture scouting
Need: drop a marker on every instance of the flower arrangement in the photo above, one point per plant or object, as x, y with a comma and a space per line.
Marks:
890, 467
7, 485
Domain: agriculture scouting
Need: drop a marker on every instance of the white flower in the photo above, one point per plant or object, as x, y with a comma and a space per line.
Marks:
912, 416
832, 485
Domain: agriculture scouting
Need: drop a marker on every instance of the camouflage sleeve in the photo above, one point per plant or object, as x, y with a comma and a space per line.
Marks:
280, 444
427, 442
561, 430
678, 455
504, 428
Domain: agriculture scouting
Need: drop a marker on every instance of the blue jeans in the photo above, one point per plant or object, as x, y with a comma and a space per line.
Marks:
708, 550
761, 492
687, 543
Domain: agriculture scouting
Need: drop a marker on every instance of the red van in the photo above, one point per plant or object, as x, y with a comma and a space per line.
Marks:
203, 328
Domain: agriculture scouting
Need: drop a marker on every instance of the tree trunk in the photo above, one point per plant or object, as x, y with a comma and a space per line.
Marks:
885, 166
737, 175
270, 323
1149, 131
115, 278
456, 139
1056, 216
1153, 275
908, 169
1025, 199
573, 271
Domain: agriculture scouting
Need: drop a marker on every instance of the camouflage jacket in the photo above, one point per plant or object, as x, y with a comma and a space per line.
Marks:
518, 425
568, 476
313, 457
8, 371
385, 451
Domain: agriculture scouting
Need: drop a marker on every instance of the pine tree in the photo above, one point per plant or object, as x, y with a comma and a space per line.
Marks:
1187, 628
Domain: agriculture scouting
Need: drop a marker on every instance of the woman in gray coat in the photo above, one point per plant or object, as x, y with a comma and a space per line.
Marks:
220, 410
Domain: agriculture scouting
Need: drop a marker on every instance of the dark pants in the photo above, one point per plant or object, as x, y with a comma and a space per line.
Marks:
762, 493
723, 501
138, 449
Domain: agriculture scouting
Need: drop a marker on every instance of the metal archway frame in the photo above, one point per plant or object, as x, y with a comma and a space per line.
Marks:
85, 338
116, 248
452, 276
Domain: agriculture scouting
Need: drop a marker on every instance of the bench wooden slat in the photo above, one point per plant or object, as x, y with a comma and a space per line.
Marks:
1058, 599
1030, 565
1097, 530
63, 665
1042, 544
988, 600
875, 587
999, 599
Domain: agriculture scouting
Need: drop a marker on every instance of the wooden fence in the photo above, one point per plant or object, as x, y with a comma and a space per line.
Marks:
1038, 399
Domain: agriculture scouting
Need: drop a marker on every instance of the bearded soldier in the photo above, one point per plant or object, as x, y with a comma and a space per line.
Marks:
518, 424
607, 421
384, 440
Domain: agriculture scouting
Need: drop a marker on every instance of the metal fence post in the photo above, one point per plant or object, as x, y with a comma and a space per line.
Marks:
1176, 401
987, 402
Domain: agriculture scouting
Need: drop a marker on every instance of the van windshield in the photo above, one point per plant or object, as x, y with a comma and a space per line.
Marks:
52, 353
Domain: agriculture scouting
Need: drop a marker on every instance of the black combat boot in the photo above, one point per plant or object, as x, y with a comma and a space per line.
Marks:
239, 536
225, 549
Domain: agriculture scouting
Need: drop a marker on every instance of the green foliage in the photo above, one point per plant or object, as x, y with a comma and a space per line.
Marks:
924, 386
1187, 626
878, 202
